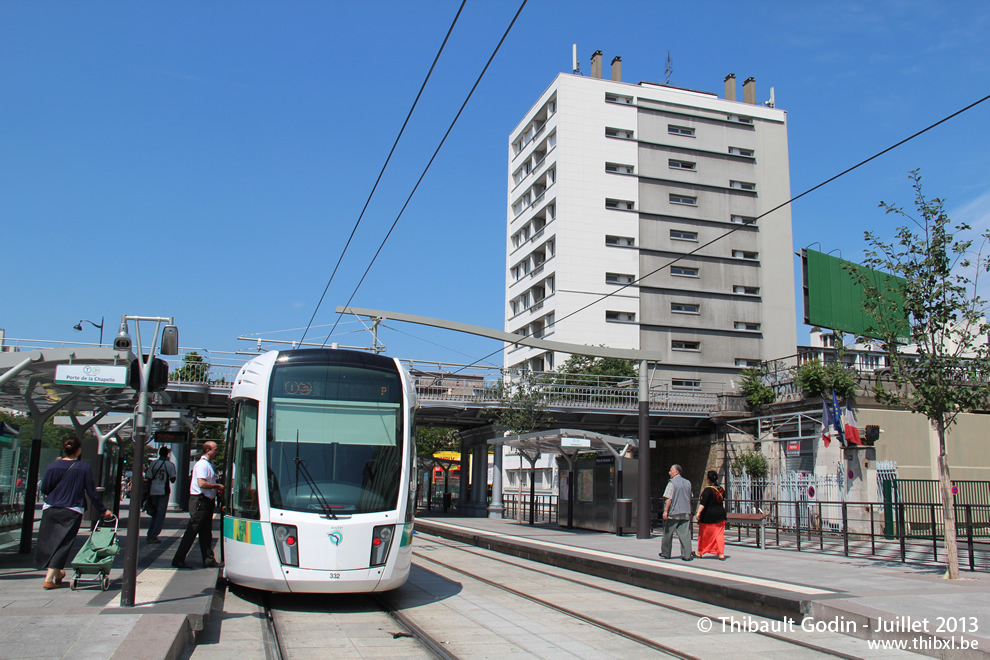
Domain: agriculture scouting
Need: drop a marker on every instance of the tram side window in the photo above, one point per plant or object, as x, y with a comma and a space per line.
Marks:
243, 495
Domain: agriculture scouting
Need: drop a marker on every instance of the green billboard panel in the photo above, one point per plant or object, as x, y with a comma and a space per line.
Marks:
834, 299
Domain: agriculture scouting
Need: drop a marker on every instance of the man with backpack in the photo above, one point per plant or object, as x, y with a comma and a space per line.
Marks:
160, 474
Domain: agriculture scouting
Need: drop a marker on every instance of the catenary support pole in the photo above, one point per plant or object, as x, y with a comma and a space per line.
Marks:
644, 527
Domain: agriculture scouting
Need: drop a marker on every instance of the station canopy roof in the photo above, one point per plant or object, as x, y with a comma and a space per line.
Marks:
32, 375
561, 441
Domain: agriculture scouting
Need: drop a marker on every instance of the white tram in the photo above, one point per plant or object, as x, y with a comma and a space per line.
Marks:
321, 473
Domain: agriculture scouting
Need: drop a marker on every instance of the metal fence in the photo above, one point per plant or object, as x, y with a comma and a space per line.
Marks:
571, 391
870, 529
918, 503
544, 511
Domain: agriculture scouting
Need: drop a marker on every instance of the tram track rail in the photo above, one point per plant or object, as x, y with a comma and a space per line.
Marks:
459, 546
276, 649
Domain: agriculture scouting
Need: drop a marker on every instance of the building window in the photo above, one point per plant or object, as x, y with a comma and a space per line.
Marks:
746, 325
685, 384
679, 345
620, 317
621, 133
618, 278
742, 185
618, 98
681, 164
552, 107
619, 241
515, 307
742, 220
618, 168
683, 199
739, 119
685, 308
683, 271
746, 290
680, 130
619, 204
681, 235
738, 151
745, 254
746, 362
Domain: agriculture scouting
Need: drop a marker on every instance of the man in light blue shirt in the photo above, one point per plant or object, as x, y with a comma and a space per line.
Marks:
676, 515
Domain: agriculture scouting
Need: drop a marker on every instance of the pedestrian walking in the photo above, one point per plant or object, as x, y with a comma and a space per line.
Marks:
161, 473
711, 519
66, 482
203, 491
677, 515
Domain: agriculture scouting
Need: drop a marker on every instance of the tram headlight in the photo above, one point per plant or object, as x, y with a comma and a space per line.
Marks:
381, 541
285, 543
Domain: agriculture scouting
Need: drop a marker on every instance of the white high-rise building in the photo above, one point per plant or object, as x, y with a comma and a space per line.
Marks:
649, 194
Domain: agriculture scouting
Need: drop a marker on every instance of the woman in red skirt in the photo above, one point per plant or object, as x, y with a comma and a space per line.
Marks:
711, 519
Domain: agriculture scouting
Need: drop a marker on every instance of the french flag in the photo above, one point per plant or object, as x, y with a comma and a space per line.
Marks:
849, 426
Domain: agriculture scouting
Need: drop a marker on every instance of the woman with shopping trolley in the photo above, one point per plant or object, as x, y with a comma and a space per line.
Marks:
64, 484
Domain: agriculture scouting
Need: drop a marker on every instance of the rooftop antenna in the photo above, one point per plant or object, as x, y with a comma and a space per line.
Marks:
669, 70
574, 60
771, 103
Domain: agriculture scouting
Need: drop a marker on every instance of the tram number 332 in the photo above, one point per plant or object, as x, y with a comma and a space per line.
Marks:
302, 387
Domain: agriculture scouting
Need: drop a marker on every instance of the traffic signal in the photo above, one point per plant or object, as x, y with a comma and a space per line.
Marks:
157, 379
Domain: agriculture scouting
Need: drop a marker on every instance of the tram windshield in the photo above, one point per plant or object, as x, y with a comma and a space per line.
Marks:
334, 439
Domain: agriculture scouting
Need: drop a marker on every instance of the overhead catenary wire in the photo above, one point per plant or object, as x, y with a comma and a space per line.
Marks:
382, 172
765, 213
432, 158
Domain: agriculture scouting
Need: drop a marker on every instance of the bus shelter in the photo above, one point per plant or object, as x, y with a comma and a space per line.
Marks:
591, 497
44, 382
428, 465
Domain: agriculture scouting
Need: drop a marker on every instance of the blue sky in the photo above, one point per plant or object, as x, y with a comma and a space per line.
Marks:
207, 161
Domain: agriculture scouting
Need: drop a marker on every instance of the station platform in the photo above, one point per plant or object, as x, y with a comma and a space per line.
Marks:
171, 605
857, 594
861, 597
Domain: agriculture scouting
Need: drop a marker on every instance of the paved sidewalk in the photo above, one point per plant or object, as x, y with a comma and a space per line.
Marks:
170, 605
856, 595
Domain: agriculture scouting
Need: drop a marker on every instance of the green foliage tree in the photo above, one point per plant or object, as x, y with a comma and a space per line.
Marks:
817, 379
217, 432
757, 393
430, 440
581, 369
752, 463
947, 326
522, 405
51, 435
194, 369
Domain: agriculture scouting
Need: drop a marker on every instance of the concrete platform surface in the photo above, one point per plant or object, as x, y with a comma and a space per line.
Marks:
170, 604
862, 597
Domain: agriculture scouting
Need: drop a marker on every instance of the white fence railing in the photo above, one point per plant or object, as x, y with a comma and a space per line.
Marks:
793, 499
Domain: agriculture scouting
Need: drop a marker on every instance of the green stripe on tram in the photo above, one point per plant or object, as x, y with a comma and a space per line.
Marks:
245, 531
407, 535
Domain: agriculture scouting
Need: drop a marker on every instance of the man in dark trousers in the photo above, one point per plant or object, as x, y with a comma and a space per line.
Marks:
161, 473
676, 514
203, 491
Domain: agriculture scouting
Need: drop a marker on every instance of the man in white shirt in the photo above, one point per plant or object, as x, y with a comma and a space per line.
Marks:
203, 491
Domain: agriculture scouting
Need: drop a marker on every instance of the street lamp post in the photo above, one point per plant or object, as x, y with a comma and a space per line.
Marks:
78, 327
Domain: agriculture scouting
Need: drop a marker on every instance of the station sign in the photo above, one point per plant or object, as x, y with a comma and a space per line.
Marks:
93, 375
793, 448
575, 443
